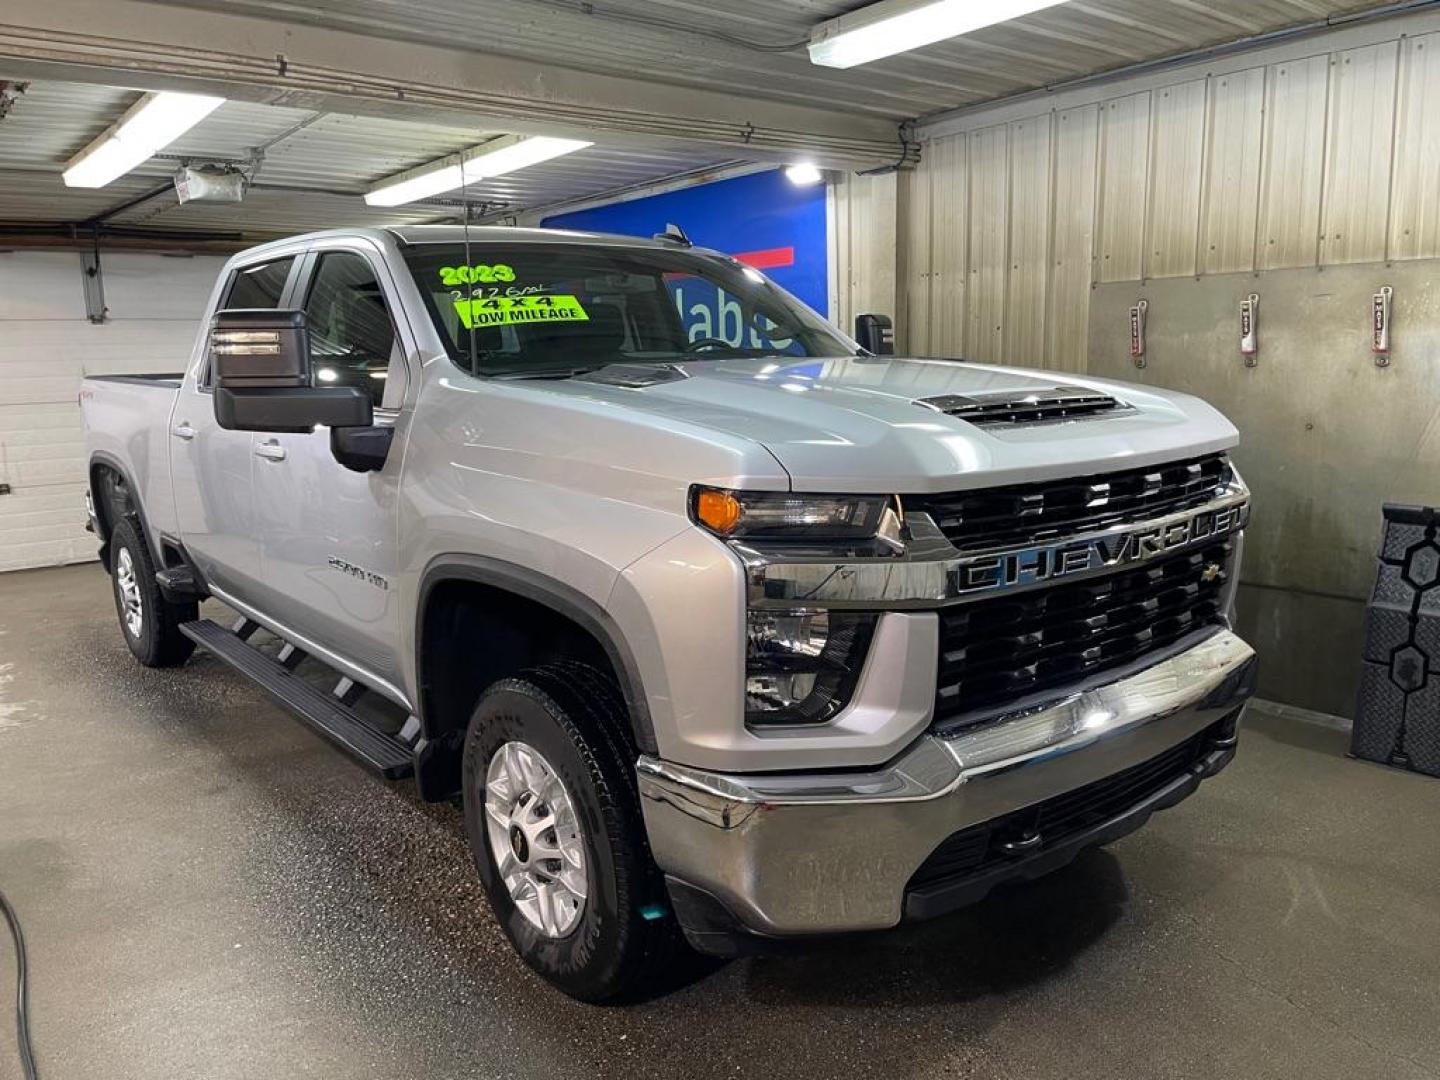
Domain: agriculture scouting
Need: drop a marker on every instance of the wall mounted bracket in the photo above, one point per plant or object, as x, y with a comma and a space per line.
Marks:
1249, 328
1137, 332
1380, 325
94, 284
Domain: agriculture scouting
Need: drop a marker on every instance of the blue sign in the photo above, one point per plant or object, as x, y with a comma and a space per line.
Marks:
762, 219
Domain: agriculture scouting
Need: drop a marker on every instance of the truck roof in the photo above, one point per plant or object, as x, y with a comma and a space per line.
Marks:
407, 235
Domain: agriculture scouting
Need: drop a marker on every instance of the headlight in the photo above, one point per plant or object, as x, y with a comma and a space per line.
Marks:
801, 667
754, 515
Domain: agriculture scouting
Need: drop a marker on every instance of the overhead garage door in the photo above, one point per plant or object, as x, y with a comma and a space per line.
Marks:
46, 346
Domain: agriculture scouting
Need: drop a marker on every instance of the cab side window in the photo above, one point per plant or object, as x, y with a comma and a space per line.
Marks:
352, 338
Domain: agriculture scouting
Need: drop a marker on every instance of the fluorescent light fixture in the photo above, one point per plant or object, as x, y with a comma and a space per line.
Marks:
803, 174
420, 185
494, 158
153, 123
896, 26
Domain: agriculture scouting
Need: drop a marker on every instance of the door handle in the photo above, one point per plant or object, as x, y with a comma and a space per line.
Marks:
183, 430
270, 451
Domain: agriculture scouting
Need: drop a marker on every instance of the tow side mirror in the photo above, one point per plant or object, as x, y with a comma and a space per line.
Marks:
260, 361
876, 334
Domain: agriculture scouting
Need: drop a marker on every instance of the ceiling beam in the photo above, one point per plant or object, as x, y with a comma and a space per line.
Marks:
66, 236
152, 46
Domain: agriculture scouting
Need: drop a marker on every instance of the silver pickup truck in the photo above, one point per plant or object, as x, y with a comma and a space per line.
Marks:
724, 629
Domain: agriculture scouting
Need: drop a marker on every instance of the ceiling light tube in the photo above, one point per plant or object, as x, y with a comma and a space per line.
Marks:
896, 26
494, 158
151, 124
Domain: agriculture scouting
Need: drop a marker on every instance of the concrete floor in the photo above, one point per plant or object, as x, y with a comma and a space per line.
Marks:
211, 891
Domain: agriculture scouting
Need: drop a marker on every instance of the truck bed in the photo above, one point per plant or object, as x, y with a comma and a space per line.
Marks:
127, 427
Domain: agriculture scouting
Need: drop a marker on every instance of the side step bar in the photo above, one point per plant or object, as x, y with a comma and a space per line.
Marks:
326, 713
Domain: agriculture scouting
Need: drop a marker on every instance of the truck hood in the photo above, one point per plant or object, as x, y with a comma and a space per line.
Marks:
862, 424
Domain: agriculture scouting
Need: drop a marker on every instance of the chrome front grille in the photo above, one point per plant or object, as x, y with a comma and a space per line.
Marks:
998, 651
1023, 514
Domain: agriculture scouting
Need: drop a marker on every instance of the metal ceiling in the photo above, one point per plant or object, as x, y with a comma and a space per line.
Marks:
315, 166
313, 171
697, 43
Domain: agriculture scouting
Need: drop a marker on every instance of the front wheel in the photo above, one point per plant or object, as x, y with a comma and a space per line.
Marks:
554, 823
149, 622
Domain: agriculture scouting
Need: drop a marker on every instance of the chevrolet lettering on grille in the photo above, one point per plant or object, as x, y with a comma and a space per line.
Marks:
1049, 562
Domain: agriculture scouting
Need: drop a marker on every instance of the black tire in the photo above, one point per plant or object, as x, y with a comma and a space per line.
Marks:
159, 642
626, 944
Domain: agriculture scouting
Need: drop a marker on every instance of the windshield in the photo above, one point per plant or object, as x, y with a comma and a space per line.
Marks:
543, 309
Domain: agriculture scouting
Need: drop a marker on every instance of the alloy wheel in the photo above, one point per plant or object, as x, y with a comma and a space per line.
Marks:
535, 839
129, 586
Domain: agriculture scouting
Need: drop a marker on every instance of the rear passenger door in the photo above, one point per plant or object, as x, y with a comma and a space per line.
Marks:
211, 467
327, 535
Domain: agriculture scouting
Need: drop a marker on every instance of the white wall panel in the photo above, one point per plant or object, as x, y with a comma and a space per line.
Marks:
1068, 304
989, 243
1124, 180
864, 210
1232, 172
46, 347
1031, 206
1177, 164
913, 325
1415, 209
1293, 169
950, 244
1358, 148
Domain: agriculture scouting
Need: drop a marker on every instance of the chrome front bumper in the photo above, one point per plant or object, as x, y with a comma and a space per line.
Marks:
796, 854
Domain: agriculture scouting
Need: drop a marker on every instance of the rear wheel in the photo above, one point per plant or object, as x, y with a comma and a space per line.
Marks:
149, 622
554, 822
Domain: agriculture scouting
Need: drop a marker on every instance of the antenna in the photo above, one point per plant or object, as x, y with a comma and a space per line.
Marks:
469, 299
675, 234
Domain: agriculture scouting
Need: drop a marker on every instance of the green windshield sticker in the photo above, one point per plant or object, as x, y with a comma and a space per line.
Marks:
480, 274
502, 310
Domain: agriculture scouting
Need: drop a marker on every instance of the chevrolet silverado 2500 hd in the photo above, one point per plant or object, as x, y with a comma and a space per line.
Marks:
722, 629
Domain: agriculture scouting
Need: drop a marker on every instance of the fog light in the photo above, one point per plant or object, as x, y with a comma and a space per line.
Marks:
801, 667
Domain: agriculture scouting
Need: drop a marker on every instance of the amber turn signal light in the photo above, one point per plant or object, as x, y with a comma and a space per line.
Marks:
718, 511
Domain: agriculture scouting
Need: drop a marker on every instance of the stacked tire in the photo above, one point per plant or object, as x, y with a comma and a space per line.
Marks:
1397, 718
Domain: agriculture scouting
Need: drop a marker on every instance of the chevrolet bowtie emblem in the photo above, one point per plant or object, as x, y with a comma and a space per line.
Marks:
1211, 572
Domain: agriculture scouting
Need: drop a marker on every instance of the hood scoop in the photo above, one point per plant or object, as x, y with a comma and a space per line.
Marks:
635, 376
1009, 407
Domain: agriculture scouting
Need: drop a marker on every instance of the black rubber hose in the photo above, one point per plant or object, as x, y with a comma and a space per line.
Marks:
22, 1003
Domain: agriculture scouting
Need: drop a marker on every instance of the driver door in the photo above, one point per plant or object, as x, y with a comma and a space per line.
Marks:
327, 535
210, 466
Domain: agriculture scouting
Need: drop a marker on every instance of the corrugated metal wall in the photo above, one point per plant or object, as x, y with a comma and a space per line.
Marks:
862, 227
1313, 160
1307, 172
